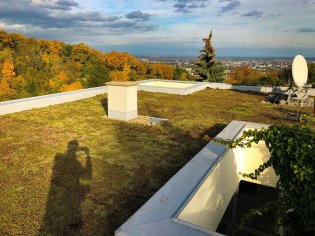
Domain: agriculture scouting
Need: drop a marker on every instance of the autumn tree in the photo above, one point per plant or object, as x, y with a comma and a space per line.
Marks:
44, 66
208, 67
8, 70
182, 74
19, 84
117, 60
245, 75
70, 87
5, 40
138, 70
51, 49
311, 73
95, 75
121, 75
125, 72
6, 76
120, 61
161, 71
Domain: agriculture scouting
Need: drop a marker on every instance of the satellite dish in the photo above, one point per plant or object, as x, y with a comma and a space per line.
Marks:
299, 71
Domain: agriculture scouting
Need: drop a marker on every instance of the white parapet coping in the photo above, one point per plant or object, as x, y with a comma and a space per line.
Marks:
261, 89
24, 104
48, 100
194, 200
171, 86
58, 98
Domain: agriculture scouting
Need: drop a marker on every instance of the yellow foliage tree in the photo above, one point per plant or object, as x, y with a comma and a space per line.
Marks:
120, 61
18, 83
116, 75
125, 72
117, 60
6, 92
183, 76
241, 75
71, 87
162, 71
141, 69
8, 70
121, 75
53, 84
63, 77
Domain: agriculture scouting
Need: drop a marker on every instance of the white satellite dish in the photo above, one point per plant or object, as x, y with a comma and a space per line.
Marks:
299, 71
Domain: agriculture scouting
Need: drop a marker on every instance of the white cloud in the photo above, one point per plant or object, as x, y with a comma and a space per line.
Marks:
123, 22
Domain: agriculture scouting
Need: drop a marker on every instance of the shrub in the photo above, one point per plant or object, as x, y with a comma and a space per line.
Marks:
292, 158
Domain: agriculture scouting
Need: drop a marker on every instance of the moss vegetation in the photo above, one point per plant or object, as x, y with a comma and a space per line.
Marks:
66, 170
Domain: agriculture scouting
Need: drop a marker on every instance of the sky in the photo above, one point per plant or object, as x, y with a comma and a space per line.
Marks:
261, 28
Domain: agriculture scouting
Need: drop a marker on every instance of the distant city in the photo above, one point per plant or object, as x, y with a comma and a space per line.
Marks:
258, 63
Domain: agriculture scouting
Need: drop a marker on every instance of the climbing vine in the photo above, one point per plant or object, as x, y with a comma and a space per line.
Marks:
293, 159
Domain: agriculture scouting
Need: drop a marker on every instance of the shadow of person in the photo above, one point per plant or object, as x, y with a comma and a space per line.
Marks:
104, 103
63, 210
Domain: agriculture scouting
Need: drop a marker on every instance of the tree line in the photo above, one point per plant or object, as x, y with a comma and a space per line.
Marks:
30, 67
245, 75
212, 70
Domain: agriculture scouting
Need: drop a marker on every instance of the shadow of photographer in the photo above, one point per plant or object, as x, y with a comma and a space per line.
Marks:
63, 209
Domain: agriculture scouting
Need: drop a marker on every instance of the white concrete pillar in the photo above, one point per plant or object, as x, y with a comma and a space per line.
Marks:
122, 100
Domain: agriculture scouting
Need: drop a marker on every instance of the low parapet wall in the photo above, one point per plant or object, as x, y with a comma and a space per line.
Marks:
53, 99
194, 200
260, 89
146, 85
48, 100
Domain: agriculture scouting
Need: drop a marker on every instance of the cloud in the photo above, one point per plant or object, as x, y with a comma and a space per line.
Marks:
232, 4
58, 5
193, 5
253, 14
274, 14
181, 7
57, 14
102, 23
138, 15
186, 6
306, 30
304, 2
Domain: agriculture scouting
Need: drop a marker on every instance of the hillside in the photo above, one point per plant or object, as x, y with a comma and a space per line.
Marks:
30, 67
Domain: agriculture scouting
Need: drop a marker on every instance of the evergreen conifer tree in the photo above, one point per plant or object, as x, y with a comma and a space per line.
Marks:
208, 67
176, 73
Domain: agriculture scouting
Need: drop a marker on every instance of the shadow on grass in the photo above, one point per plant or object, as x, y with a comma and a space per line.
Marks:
152, 168
285, 114
213, 131
140, 161
248, 92
104, 103
63, 209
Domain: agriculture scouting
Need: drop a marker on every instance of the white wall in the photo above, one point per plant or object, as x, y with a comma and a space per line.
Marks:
193, 201
262, 89
208, 204
250, 158
48, 100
